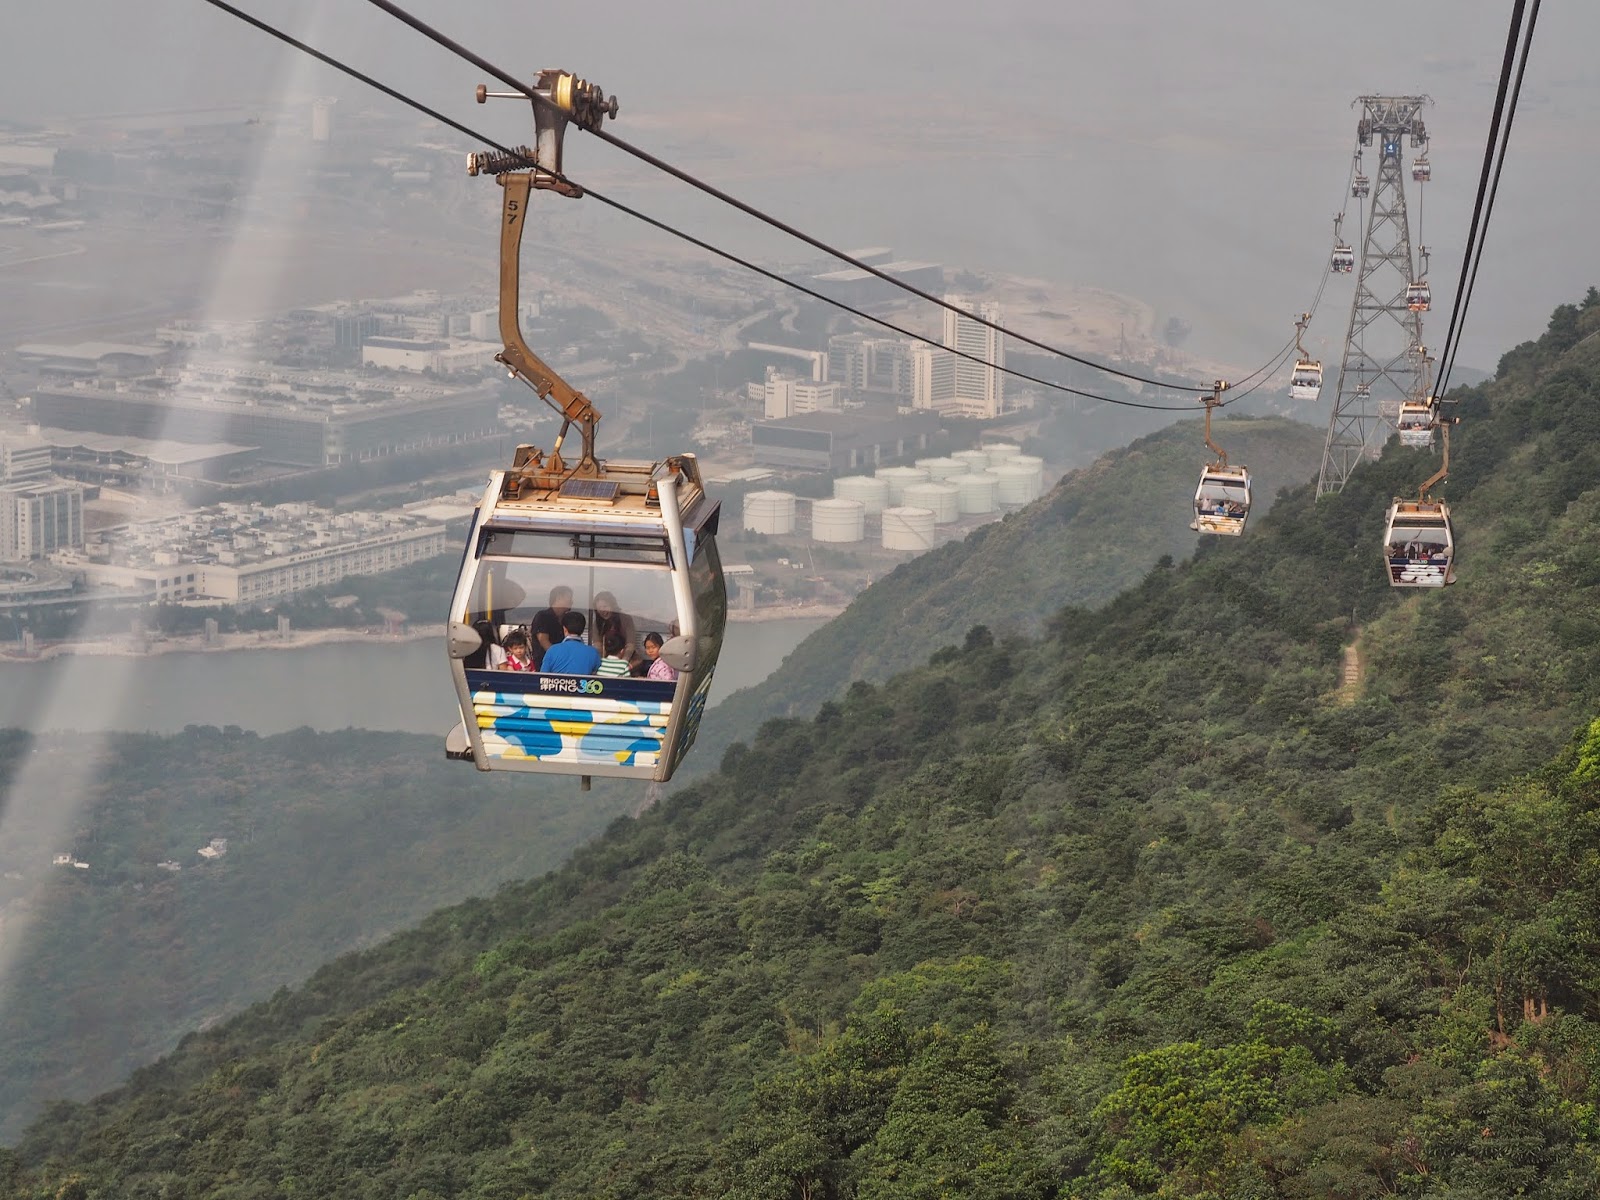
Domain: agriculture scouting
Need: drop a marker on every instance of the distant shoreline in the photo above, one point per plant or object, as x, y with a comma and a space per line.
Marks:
125, 646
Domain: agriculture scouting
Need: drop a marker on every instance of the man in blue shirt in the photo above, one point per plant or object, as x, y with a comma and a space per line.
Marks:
570, 656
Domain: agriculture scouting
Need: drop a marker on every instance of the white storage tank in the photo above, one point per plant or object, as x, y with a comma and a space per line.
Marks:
1029, 460
973, 460
1016, 485
977, 492
838, 520
943, 500
907, 529
940, 468
873, 493
1000, 452
900, 478
769, 512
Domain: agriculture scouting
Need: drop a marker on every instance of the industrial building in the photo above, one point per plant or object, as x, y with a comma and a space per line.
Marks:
855, 286
841, 442
252, 554
290, 419
110, 360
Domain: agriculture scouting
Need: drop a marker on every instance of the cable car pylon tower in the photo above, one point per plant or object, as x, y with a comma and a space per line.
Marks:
1380, 369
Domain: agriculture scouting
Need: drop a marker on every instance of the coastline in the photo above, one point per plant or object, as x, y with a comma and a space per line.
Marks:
126, 646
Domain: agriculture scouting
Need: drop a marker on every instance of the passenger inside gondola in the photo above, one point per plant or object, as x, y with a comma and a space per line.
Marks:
518, 656
1418, 545
636, 588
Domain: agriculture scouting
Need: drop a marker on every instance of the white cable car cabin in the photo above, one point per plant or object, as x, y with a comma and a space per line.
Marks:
637, 543
1419, 548
1416, 424
1361, 187
628, 547
1344, 259
1222, 501
1305, 382
1421, 172
1419, 296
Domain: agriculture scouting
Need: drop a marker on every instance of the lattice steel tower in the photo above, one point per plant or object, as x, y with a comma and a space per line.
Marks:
1382, 357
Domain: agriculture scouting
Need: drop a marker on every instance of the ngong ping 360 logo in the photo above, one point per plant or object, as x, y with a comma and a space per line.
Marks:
571, 686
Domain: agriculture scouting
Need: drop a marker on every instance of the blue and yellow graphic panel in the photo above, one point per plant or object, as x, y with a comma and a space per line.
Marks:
571, 720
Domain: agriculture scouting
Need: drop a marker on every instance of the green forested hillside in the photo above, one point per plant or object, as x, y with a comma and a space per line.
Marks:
334, 842
1142, 907
1096, 533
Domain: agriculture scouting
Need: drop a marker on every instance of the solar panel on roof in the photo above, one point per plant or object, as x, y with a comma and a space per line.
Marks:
590, 489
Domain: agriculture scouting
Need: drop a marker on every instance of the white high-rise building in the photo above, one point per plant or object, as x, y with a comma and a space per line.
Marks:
322, 118
785, 396
979, 387
39, 519
933, 378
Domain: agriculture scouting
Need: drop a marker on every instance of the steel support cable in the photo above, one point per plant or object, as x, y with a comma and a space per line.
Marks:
1483, 178
712, 190
1451, 346
328, 60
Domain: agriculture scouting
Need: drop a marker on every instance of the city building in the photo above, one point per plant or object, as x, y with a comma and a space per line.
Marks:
863, 363
785, 396
959, 386
24, 458
250, 554
39, 518
933, 378
400, 354
841, 442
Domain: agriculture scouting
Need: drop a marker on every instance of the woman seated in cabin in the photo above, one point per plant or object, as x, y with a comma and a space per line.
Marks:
489, 655
610, 619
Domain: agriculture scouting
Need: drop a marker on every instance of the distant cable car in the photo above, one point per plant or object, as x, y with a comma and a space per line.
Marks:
1419, 546
564, 552
1305, 381
1419, 296
1416, 423
1222, 500
1361, 187
1420, 170
1344, 259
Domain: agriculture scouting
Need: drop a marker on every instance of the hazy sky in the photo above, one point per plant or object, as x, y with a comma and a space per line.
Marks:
1191, 154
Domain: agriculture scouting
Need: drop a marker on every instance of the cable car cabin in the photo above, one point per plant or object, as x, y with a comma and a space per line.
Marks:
1421, 172
1344, 259
1361, 187
1416, 424
1222, 501
1419, 296
1305, 383
633, 552
1418, 547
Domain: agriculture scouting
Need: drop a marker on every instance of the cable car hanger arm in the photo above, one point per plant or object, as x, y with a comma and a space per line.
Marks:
1444, 467
1215, 401
564, 98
